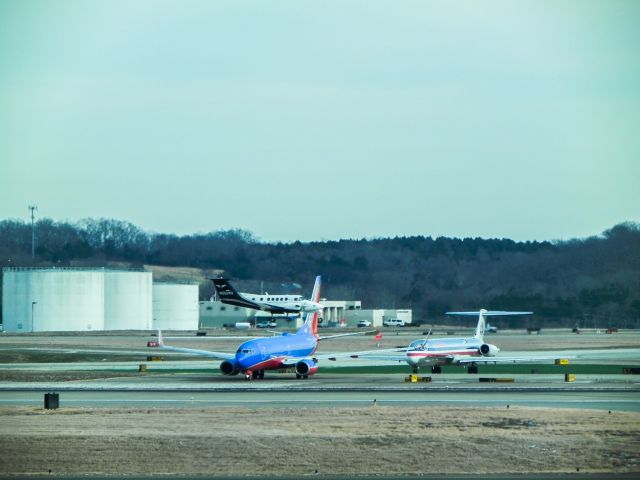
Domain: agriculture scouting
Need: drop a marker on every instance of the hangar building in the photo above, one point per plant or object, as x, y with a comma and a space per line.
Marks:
75, 299
215, 314
175, 306
336, 313
94, 299
126, 300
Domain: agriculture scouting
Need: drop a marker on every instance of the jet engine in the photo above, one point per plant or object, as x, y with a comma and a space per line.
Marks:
488, 350
306, 367
229, 368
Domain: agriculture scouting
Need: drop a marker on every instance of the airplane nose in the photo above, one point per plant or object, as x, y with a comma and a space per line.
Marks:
241, 362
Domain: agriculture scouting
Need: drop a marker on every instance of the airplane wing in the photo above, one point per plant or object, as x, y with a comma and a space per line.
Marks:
194, 351
202, 353
291, 361
368, 332
275, 333
213, 338
377, 354
465, 360
268, 307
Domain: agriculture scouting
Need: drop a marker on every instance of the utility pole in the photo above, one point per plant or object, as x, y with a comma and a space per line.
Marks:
33, 208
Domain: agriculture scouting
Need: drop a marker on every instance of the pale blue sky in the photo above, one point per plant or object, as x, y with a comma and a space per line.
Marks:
324, 120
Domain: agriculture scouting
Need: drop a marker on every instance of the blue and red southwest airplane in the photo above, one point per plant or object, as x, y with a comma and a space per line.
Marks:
289, 350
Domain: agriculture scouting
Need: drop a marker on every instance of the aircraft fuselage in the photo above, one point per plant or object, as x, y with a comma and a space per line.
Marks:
441, 351
266, 353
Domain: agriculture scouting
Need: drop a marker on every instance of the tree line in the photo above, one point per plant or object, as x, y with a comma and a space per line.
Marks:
592, 281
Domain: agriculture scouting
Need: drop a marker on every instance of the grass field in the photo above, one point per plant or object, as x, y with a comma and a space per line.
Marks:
339, 441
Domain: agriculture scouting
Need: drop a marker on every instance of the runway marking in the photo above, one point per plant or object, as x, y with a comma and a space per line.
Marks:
280, 400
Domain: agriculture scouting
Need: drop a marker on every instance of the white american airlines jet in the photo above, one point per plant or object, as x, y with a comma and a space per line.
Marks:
265, 301
452, 351
460, 351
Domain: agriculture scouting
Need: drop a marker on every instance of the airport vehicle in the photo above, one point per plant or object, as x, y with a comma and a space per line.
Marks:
266, 302
393, 322
364, 323
452, 351
287, 350
241, 325
266, 324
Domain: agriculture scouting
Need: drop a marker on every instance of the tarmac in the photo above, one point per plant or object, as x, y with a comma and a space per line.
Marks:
32, 365
601, 399
193, 381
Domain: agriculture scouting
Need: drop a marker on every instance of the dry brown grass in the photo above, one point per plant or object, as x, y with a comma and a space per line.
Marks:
366, 440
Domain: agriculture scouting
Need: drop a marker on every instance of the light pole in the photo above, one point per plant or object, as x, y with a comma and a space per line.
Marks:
32, 305
33, 208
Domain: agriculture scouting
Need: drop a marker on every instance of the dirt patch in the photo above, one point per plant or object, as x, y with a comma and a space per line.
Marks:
275, 441
61, 376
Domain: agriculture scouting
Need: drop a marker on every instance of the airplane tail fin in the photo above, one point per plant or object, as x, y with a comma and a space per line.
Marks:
310, 326
224, 290
482, 323
315, 294
482, 314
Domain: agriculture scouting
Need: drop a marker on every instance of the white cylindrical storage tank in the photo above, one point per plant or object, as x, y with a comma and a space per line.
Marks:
127, 300
175, 307
43, 300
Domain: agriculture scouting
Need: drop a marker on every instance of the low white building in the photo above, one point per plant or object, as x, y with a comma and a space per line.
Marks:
336, 313
376, 316
215, 314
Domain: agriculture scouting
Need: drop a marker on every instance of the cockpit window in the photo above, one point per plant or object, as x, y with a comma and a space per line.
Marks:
418, 345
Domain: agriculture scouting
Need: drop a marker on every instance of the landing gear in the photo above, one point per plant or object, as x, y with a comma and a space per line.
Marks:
473, 368
255, 374
436, 369
301, 377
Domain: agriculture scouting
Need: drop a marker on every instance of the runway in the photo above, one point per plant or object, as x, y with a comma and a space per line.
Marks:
357, 415
593, 399
99, 378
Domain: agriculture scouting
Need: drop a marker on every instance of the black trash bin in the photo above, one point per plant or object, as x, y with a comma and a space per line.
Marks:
51, 401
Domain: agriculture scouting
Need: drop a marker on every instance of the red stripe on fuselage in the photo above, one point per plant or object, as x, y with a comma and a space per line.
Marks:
442, 354
269, 364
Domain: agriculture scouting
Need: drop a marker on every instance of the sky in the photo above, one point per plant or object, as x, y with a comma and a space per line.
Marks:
313, 121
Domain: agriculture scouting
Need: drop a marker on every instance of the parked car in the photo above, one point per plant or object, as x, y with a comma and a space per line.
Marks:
266, 324
364, 323
393, 322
